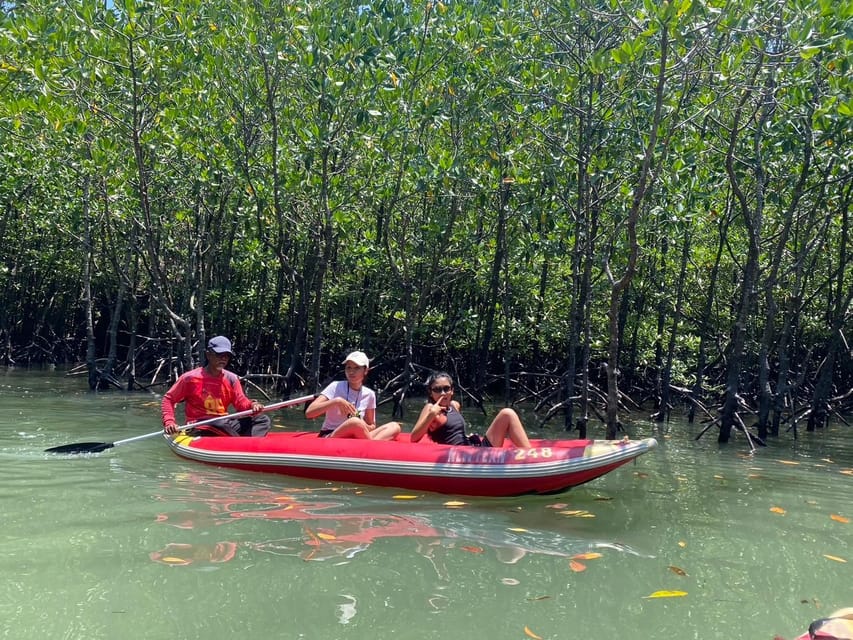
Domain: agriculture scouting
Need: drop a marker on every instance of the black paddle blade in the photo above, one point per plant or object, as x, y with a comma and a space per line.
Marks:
81, 447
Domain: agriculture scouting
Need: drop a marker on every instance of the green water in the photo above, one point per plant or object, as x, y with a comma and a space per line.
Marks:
138, 543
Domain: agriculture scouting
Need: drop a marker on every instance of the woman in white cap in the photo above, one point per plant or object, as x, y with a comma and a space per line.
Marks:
350, 406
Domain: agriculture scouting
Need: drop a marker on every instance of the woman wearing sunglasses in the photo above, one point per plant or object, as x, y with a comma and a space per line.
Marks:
441, 419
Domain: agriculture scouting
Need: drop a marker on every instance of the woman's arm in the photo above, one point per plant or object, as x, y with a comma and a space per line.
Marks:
428, 414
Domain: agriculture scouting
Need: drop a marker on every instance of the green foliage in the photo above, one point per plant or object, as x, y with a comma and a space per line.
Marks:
418, 179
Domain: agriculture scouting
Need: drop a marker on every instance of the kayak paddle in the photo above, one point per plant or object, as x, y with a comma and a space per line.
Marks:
97, 447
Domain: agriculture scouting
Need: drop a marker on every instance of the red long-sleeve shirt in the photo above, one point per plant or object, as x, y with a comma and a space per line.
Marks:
206, 396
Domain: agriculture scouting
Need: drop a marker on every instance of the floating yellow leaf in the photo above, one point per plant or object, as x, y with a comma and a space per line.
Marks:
677, 570
576, 566
530, 634
754, 476
173, 560
839, 518
325, 536
517, 530
682, 544
471, 549
717, 477
835, 558
573, 512
454, 503
847, 472
791, 462
405, 497
591, 555
778, 510
667, 594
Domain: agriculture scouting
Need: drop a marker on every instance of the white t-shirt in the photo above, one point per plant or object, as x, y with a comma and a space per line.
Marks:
363, 399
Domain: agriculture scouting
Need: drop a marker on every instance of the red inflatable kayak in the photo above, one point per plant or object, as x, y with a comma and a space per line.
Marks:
549, 466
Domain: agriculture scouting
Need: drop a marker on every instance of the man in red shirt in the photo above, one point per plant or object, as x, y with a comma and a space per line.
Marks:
208, 391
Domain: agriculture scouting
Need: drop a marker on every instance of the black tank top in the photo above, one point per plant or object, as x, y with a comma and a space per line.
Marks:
452, 431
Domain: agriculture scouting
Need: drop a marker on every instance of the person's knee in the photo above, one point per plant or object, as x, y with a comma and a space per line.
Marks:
507, 414
260, 425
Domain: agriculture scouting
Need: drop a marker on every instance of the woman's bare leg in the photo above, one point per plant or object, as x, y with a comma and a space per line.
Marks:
507, 424
387, 431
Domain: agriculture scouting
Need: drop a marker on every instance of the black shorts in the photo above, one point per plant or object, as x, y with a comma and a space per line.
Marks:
475, 440
326, 433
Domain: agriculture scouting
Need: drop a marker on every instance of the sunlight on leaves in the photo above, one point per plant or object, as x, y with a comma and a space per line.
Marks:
666, 594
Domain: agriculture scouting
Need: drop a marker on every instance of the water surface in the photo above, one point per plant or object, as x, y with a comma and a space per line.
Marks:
138, 543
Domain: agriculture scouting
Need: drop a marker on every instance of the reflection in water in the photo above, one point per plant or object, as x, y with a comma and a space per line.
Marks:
328, 531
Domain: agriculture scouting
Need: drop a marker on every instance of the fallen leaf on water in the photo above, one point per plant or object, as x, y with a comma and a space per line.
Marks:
666, 594
572, 512
471, 549
847, 472
835, 558
839, 518
325, 536
454, 503
576, 566
641, 474
404, 497
778, 510
718, 477
754, 476
557, 505
827, 460
677, 570
510, 582
530, 634
682, 544
602, 498
590, 555
517, 530
792, 462
173, 560
535, 598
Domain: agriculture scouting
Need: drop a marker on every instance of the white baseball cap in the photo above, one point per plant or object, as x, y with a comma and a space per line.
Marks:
358, 357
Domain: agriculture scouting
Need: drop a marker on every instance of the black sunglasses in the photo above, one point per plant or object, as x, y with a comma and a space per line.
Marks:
445, 389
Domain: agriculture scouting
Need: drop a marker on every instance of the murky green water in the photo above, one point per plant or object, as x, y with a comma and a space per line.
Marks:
138, 543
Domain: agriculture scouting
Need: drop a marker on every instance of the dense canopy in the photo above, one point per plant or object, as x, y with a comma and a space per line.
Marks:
592, 205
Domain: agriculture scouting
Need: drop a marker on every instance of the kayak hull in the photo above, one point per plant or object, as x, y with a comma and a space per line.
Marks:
549, 466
